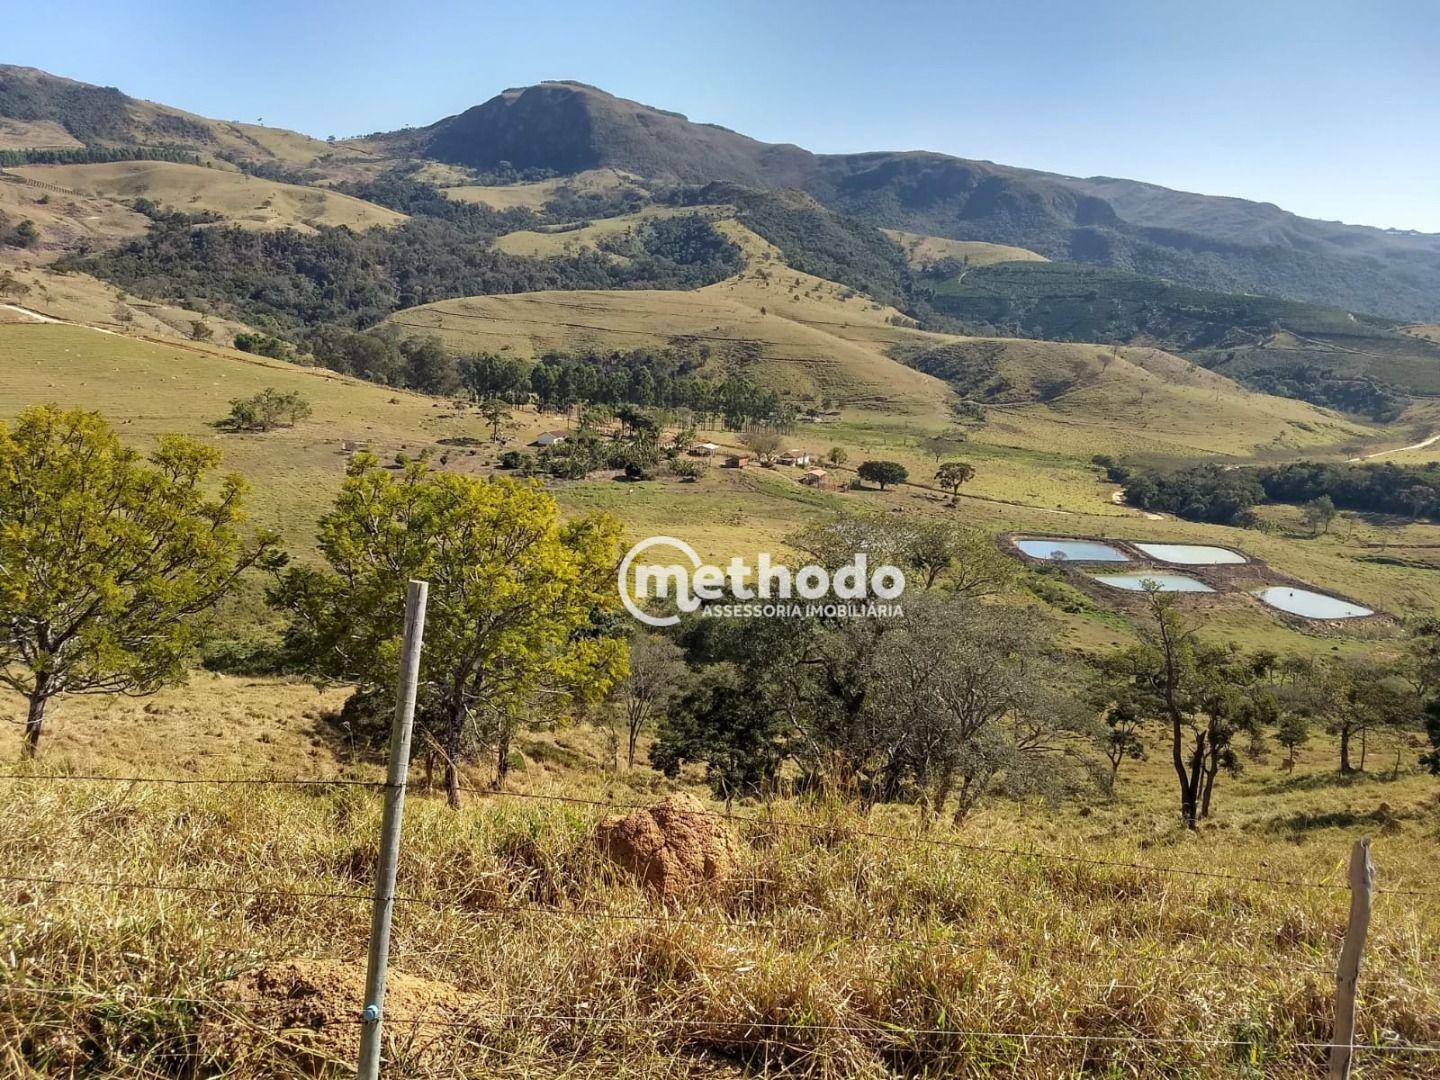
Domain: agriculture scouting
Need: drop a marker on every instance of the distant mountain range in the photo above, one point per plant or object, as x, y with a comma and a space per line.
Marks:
1219, 243
1226, 244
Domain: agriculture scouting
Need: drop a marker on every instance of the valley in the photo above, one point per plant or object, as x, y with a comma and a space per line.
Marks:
560, 322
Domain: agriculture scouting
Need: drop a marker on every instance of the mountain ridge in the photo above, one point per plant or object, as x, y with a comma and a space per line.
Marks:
1222, 243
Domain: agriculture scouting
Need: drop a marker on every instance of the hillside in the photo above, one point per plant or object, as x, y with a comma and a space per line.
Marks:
570, 128
1358, 363
1216, 243
41, 110
235, 197
923, 252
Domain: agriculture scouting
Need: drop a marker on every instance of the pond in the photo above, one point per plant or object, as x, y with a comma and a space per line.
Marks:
1312, 605
1163, 582
1193, 554
1069, 550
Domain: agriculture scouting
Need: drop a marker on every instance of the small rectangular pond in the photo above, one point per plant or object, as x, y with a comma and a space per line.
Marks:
1162, 582
1312, 605
1060, 550
1193, 554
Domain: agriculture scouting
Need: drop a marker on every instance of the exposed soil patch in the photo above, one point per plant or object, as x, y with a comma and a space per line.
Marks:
313, 1008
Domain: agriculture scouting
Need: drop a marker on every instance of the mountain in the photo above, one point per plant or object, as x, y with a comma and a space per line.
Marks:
1223, 244
1206, 241
40, 111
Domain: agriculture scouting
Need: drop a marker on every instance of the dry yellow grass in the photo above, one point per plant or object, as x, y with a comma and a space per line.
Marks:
35, 135
844, 946
571, 241
923, 251
534, 195
64, 220
800, 360
80, 298
241, 199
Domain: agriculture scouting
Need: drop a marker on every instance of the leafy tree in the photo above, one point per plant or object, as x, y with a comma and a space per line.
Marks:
108, 560
763, 444
947, 442
200, 330
952, 475
836, 455
657, 679
1431, 759
496, 415
12, 286
1205, 694
971, 697
1319, 513
267, 410
24, 235
262, 345
1292, 733
519, 601
1354, 697
963, 561
883, 473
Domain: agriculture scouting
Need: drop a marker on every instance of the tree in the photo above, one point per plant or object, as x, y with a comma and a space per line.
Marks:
267, 410
964, 561
12, 286
24, 235
1431, 758
1353, 698
763, 444
496, 415
1292, 733
1319, 513
883, 473
1121, 697
656, 680
200, 330
937, 446
836, 455
521, 604
1205, 694
969, 697
107, 560
952, 475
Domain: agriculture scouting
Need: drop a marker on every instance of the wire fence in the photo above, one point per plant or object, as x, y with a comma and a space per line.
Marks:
739, 1029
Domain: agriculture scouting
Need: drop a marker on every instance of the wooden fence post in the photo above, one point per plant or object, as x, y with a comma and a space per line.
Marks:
1362, 879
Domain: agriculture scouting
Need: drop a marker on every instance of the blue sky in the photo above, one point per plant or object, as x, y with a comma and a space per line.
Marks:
1329, 109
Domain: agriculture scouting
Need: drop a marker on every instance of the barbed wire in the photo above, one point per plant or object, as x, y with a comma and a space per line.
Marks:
663, 918
880, 1027
764, 822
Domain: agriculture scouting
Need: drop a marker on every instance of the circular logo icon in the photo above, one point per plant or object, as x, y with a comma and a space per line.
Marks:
658, 573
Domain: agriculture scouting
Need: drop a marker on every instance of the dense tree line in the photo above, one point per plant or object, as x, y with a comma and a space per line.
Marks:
664, 378
294, 281
1226, 496
98, 155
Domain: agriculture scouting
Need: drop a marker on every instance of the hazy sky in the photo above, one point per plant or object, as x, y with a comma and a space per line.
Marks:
1329, 109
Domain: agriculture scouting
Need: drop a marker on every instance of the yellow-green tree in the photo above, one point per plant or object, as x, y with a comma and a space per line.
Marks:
521, 613
108, 558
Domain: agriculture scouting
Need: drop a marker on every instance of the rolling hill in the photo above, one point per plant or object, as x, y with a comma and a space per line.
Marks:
248, 201
567, 128
1217, 243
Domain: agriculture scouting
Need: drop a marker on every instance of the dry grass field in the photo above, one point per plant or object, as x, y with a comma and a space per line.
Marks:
1033, 940
923, 251
237, 197
534, 195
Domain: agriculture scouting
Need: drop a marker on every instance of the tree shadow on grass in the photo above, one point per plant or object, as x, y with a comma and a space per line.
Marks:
1382, 819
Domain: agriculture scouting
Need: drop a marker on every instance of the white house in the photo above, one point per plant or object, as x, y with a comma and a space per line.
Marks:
549, 438
795, 457
704, 449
